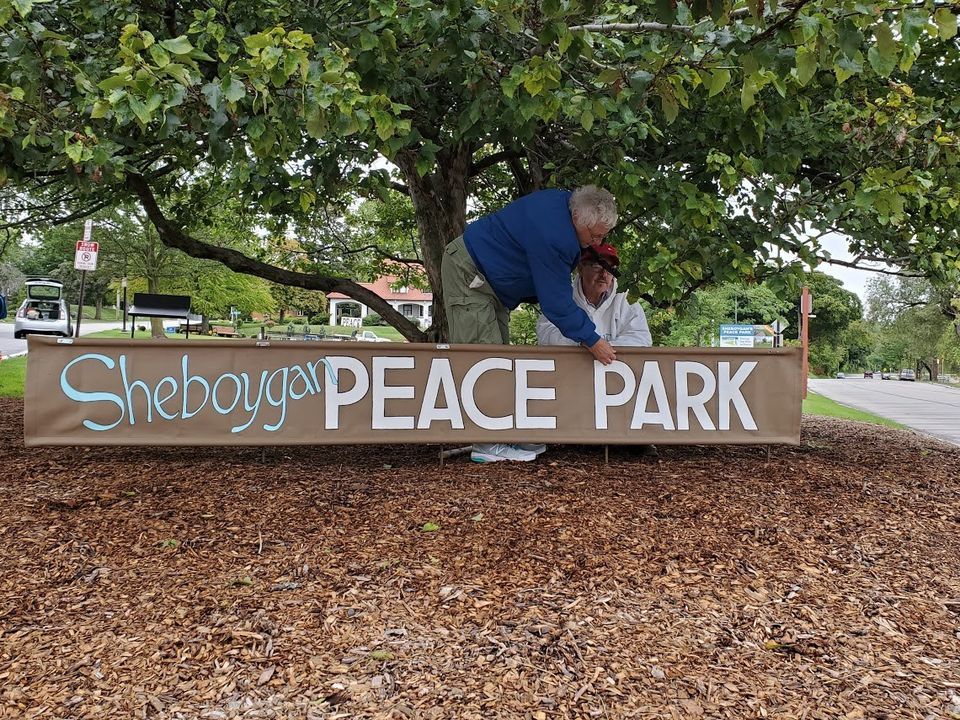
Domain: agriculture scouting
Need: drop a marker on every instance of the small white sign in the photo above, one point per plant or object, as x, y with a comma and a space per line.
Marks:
351, 322
779, 326
86, 255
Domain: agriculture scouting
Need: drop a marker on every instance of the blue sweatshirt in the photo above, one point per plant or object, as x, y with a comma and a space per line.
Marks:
526, 251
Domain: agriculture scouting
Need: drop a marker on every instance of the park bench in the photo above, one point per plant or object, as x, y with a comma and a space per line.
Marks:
159, 306
224, 331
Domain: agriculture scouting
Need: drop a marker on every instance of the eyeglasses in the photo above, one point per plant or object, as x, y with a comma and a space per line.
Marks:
597, 266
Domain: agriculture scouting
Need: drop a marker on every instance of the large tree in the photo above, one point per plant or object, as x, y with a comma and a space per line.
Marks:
729, 130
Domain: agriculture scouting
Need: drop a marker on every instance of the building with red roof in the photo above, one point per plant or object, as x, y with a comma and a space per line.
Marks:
413, 303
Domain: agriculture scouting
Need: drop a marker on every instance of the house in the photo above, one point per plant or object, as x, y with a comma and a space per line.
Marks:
414, 304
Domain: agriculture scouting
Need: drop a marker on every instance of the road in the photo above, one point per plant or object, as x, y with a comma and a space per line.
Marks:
10, 346
927, 407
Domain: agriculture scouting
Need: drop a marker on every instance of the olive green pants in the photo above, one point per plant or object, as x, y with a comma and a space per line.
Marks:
474, 312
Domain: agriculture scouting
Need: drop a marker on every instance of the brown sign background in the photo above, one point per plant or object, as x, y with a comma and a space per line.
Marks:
115, 392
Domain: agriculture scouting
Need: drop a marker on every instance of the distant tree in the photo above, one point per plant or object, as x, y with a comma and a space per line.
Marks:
307, 302
697, 321
917, 320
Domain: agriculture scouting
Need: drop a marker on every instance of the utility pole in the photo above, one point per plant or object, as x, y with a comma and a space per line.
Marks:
123, 284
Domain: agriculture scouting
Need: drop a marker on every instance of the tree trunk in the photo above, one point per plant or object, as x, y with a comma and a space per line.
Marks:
440, 205
98, 309
156, 324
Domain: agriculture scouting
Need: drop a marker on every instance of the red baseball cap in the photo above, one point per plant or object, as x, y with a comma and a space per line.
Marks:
604, 250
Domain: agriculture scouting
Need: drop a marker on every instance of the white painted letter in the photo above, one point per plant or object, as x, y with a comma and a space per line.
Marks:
441, 375
470, 402
729, 392
601, 400
525, 393
697, 403
381, 392
335, 399
651, 379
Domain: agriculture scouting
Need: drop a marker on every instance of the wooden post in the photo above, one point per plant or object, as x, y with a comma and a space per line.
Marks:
804, 334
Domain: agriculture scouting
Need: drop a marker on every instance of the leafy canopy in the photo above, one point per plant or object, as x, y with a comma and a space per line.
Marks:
729, 131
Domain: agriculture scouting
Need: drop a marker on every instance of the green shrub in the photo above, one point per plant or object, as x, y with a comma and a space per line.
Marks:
374, 319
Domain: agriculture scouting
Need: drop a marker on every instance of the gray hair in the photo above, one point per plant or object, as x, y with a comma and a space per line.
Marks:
590, 205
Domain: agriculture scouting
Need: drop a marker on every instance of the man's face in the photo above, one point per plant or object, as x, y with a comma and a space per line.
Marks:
594, 279
590, 235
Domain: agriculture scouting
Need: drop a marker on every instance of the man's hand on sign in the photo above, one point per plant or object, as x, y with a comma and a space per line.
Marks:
603, 351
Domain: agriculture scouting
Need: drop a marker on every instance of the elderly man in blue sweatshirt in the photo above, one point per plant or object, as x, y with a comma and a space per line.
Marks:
525, 252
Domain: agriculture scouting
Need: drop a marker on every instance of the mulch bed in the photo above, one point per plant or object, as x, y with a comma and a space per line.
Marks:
362, 582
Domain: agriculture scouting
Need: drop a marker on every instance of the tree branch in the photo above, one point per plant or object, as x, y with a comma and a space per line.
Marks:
633, 27
490, 160
172, 236
856, 266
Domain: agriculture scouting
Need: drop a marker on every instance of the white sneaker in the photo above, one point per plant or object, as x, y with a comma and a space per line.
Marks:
496, 452
535, 448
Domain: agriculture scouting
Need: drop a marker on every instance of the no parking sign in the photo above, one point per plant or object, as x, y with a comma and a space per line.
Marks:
87, 250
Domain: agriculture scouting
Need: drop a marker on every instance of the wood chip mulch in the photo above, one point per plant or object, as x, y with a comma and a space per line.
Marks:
367, 582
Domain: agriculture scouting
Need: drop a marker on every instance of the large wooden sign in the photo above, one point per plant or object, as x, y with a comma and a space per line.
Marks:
167, 392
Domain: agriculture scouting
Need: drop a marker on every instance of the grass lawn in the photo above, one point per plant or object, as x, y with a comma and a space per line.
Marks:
13, 374
820, 405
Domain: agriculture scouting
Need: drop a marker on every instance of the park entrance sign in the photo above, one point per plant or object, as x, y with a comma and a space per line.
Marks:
114, 392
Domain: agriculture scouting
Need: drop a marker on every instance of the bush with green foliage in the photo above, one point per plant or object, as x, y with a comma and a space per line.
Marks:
373, 319
523, 325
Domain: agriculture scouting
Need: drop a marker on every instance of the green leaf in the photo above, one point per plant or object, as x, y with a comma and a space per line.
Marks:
257, 42
846, 69
139, 109
809, 26
586, 120
430, 527
160, 56
806, 65
912, 25
719, 81
178, 46
179, 73
112, 83
748, 94
609, 76
668, 103
75, 152
233, 89
100, 109
640, 81
882, 65
23, 6
368, 41
213, 94
946, 23
850, 38
666, 11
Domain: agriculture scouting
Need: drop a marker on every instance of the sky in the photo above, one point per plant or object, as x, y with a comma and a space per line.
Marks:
853, 280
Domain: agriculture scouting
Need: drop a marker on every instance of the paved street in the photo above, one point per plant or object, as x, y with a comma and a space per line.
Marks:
927, 407
10, 346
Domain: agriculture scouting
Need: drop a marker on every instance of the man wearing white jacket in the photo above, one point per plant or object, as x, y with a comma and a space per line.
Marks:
618, 321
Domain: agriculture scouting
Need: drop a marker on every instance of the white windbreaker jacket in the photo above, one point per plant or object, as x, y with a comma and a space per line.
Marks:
618, 321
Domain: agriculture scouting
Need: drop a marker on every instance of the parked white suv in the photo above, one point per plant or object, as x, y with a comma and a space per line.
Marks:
44, 312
